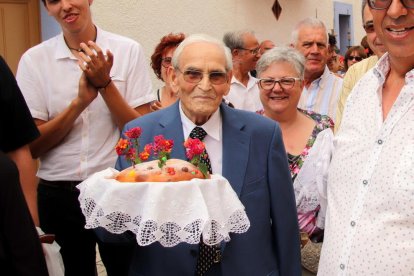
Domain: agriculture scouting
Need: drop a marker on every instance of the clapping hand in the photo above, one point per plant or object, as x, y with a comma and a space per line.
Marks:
95, 65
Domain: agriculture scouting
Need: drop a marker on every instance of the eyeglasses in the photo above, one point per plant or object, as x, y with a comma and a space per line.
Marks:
194, 76
285, 83
384, 4
357, 58
254, 51
166, 62
369, 27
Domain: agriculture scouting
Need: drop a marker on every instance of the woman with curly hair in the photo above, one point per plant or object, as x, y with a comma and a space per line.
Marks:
160, 61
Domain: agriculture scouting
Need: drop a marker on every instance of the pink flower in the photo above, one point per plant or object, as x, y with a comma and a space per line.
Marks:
133, 133
193, 147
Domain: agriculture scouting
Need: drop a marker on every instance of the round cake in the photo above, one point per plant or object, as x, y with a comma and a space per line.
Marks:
174, 170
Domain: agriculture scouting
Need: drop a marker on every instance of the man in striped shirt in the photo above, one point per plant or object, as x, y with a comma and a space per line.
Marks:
321, 90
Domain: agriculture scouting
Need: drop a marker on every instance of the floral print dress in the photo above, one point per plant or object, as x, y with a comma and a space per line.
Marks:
307, 221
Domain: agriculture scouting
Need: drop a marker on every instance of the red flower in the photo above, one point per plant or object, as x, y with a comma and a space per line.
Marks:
193, 147
133, 133
144, 155
122, 146
161, 145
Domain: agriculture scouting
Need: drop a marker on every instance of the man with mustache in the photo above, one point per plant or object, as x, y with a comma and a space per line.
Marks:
356, 71
80, 97
370, 218
321, 91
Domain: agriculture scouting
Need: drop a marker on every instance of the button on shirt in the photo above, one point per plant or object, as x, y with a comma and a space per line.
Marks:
48, 75
370, 217
322, 95
245, 98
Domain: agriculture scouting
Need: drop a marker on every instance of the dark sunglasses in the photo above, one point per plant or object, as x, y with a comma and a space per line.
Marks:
385, 4
369, 27
355, 58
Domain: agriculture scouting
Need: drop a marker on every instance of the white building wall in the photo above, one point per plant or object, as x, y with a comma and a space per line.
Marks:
148, 21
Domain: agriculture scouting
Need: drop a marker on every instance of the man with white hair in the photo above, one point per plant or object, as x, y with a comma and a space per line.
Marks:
246, 149
321, 91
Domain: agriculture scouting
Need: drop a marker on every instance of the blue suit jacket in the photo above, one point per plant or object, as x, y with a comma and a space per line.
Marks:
254, 162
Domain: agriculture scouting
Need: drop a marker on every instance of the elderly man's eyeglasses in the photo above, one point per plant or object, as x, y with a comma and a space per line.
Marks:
285, 83
254, 51
369, 27
166, 62
384, 4
194, 76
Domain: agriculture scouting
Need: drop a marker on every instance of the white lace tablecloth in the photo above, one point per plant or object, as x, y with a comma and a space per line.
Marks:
163, 211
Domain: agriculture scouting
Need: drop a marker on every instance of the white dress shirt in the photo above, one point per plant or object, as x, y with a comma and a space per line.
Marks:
245, 98
213, 141
370, 217
48, 75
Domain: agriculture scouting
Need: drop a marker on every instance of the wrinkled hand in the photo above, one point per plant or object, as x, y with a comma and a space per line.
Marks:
87, 92
95, 65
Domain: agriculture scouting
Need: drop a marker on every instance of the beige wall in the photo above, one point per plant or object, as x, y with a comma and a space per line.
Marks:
148, 21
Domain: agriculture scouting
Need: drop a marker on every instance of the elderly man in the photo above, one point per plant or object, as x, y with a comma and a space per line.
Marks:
321, 91
245, 148
79, 112
370, 218
245, 50
356, 71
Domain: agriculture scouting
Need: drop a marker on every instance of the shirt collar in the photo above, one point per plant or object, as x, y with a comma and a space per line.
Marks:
252, 81
321, 81
212, 126
62, 50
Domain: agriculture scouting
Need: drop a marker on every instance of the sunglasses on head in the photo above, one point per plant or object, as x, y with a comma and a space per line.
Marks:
357, 58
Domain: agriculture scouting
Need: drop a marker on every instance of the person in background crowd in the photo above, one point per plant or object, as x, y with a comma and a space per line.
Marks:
353, 55
370, 218
321, 87
333, 62
80, 97
266, 45
160, 61
245, 50
308, 141
356, 72
364, 44
20, 249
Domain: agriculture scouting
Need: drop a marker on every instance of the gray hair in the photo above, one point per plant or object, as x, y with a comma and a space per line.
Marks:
307, 23
234, 40
201, 38
282, 54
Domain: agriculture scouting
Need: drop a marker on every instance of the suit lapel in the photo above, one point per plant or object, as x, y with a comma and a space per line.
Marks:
172, 128
235, 149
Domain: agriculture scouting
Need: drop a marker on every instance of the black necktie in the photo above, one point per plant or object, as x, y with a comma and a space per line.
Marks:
200, 133
208, 255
